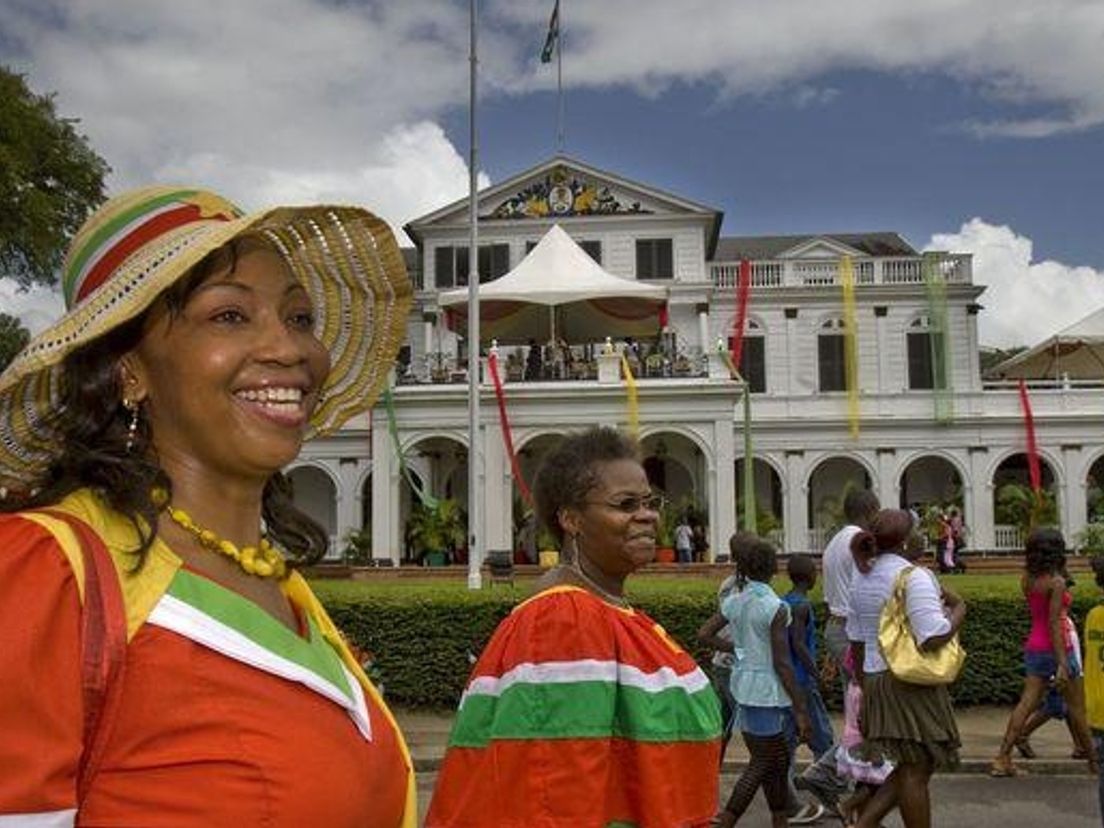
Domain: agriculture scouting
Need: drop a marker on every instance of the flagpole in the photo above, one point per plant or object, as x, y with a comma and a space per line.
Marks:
475, 443
559, 78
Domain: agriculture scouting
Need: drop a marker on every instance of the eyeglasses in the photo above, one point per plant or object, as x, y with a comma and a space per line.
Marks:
631, 504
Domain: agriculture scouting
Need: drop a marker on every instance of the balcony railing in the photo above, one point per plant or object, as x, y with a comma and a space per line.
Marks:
580, 366
1007, 537
956, 268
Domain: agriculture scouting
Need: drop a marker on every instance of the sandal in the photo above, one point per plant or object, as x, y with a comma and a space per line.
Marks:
1024, 748
1002, 767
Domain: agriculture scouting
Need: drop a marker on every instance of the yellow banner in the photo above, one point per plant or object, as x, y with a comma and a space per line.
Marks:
850, 344
634, 404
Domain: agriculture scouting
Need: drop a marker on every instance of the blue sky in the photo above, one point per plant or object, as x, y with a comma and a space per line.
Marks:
970, 125
883, 153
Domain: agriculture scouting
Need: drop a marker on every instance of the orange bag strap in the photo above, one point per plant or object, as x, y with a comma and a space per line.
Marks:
103, 647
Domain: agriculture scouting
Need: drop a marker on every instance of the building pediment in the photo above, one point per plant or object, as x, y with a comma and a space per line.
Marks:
562, 188
820, 247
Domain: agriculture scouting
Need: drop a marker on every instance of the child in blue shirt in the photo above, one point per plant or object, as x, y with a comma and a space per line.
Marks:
802, 636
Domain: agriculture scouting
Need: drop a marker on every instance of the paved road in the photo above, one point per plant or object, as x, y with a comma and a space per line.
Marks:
964, 800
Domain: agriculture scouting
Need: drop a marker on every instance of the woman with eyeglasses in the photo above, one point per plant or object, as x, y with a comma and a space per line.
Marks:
581, 710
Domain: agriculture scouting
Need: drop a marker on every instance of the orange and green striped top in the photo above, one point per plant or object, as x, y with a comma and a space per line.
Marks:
580, 713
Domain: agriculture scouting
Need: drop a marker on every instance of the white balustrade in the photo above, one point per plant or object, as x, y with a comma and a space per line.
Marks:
1007, 537
889, 270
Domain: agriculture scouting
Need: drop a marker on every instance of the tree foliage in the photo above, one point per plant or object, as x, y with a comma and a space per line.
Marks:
13, 336
50, 180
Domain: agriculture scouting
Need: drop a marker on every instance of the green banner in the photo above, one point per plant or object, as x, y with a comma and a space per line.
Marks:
939, 339
426, 499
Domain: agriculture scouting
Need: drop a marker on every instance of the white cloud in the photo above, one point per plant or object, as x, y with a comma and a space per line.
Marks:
276, 100
1023, 52
412, 170
1025, 301
263, 100
36, 307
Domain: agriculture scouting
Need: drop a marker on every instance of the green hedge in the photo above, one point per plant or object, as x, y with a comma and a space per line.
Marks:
424, 636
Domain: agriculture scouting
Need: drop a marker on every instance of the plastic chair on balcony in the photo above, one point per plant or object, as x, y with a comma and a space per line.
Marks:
500, 564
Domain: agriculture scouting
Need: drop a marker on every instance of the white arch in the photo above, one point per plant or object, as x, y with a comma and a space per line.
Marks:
942, 454
850, 455
682, 431
1055, 465
315, 464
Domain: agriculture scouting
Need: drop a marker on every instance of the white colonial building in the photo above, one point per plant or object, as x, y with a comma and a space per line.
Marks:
928, 431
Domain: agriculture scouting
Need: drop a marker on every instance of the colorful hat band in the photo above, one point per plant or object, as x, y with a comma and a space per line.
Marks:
94, 259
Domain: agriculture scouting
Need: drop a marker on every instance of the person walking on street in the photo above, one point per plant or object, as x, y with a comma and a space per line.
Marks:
763, 684
1094, 675
910, 725
1047, 650
723, 659
822, 778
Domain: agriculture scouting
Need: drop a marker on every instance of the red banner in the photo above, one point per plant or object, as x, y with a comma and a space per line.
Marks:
507, 436
743, 290
1033, 469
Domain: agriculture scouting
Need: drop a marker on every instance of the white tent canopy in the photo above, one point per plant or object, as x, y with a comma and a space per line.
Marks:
1076, 352
559, 273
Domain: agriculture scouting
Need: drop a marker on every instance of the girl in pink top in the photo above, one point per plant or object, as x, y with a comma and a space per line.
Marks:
1048, 653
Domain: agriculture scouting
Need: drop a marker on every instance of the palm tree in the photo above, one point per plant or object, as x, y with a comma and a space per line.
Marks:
1019, 505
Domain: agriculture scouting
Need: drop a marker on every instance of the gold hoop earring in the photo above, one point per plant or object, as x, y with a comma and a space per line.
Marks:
132, 428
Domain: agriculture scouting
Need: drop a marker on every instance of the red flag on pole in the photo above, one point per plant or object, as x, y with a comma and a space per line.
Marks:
1033, 469
507, 436
743, 291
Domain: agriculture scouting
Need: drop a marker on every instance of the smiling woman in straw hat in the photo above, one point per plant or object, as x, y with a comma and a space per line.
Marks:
163, 662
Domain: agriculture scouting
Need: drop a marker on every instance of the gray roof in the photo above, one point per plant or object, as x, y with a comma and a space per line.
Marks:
734, 248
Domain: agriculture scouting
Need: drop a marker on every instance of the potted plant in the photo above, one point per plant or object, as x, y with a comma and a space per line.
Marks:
436, 530
1090, 540
358, 547
548, 552
665, 534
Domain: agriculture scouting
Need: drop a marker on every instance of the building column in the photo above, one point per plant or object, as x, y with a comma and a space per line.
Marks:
1075, 509
386, 488
348, 500
880, 312
979, 507
498, 499
972, 347
703, 327
788, 356
888, 488
429, 321
722, 489
796, 504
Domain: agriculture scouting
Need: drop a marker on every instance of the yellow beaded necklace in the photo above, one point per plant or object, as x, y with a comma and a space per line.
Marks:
263, 560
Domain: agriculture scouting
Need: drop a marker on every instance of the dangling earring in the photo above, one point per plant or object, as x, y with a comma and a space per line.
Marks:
571, 549
132, 429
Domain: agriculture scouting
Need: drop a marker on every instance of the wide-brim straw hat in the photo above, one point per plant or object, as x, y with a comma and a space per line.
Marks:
141, 242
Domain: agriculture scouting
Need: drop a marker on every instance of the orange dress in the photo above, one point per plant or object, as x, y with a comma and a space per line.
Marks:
225, 718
